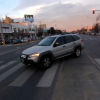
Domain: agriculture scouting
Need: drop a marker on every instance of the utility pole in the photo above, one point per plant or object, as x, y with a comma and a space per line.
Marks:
2, 33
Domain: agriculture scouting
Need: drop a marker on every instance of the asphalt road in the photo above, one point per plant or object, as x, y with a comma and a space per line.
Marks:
69, 78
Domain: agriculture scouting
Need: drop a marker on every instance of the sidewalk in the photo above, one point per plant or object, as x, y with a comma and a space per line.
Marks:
1, 46
77, 80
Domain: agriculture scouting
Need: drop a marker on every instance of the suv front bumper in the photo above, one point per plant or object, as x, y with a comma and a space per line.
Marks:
26, 60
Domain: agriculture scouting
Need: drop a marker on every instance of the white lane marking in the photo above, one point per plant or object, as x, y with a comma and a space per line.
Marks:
98, 61
47, 78
6, 65
13, 50
22, 78
9, 72
1, 62
86, 39
17, 52
91, 38
18, 47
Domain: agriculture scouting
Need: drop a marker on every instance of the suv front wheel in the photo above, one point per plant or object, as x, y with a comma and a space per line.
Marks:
77, 52
45, 62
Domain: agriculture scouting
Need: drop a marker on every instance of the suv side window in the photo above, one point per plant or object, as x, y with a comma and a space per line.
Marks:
69, 39
75, 37
60, 40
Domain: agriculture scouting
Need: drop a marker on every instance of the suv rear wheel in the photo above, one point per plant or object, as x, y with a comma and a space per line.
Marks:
77, 52
46, 62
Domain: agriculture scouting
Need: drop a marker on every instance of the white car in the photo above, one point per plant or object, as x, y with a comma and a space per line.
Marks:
92, 33
24, 40
51, 48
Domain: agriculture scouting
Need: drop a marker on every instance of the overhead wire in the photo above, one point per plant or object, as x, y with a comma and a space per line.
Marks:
5, 6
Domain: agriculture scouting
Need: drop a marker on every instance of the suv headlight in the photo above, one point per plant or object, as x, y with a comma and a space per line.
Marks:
34, 55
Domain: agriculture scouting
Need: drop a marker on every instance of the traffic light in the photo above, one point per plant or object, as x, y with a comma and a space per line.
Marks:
93, 11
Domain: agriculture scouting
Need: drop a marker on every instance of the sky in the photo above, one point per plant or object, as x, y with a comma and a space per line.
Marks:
61, 14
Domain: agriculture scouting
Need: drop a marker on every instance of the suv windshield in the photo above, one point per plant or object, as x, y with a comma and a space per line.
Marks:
47, 41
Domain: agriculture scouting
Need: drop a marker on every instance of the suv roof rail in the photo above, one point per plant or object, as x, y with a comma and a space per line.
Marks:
63, 34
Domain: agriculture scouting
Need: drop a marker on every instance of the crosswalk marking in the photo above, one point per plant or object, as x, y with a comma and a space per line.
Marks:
6, 65
22, 78
98, 61
17, 52
91, 38
1, 62
9, 72
47, 78
86, 39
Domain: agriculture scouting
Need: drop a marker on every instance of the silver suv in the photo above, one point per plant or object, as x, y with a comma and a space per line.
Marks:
51, 48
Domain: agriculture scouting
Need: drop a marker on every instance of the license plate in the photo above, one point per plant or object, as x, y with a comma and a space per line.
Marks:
22, 60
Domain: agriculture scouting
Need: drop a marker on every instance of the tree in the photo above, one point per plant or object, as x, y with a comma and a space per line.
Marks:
40, 32
52, 31
58, 31
96, 28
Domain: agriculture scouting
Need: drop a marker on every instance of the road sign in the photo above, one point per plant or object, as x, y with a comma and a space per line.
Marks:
29, 18
45, 31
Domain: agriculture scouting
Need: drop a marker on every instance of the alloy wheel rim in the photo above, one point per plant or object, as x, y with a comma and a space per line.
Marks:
47, 62
78, 52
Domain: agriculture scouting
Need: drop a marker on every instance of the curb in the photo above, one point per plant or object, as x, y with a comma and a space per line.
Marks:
1, 46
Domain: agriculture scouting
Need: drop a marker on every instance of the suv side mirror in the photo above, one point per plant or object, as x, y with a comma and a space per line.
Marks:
56, 44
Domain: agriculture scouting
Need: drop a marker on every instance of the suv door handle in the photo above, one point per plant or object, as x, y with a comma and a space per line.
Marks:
64, 46
74, 43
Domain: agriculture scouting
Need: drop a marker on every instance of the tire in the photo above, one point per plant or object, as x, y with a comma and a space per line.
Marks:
77, 52
45, 62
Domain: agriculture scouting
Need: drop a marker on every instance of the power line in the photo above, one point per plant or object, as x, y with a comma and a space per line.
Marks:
5, 4
5, 7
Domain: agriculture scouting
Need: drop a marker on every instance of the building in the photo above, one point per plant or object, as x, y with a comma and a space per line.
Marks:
8, 20
43, 26
7, 31
19, 29
24, 29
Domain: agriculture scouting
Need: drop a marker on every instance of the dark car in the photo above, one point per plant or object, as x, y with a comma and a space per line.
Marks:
11, 40
15, 41
1, 42
7, 41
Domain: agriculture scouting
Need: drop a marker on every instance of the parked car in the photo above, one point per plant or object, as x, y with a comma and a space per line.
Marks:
51, 48
1, 42
43, 36
92, 33
36, 38
11, 40
32, 39
24, 40
29, 39
15, 41
7, 41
